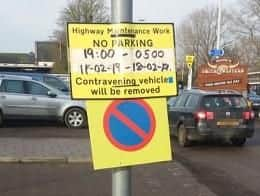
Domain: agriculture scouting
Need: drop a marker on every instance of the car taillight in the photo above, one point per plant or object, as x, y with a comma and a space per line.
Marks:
248, 115
204, 115
252, 114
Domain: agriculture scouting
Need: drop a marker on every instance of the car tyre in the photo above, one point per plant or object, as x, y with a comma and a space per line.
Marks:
75, 118
238, 141
182, 136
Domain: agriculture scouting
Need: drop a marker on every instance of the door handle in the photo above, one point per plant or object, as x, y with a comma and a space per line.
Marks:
2, 96
34, 99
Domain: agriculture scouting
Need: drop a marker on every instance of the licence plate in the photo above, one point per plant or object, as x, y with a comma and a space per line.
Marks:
228, 123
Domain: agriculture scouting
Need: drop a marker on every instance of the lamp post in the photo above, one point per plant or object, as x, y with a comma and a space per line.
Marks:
121, 11
219, 21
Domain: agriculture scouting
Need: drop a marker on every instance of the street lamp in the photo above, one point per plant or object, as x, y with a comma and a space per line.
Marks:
219, 21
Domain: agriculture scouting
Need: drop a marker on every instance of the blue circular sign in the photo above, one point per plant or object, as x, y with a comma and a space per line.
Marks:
129, 124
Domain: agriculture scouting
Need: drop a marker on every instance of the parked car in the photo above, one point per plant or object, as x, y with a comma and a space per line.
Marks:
200, 115
48, 79
24, 98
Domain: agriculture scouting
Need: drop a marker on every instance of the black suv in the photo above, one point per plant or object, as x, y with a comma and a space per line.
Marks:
199, 115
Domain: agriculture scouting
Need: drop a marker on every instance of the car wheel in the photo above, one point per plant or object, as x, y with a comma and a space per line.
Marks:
238, 141
75, 118
182, 136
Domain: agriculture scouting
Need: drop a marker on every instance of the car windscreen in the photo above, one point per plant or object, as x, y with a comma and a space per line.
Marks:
223, 101
56, 83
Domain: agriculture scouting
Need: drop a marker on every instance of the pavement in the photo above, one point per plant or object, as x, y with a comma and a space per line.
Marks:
77, 150
25, 150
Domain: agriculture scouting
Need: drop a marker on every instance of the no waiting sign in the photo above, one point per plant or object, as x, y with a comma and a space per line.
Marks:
110, 61
128, 132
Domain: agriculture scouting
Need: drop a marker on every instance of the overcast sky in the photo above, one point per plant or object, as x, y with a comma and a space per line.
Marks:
22, 22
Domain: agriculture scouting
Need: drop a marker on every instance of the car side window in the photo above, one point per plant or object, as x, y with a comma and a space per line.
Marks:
12, 86
54, 82
182, 100
36, 89
192, 101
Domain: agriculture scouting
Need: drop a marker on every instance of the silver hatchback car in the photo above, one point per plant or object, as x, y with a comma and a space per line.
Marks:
24, 98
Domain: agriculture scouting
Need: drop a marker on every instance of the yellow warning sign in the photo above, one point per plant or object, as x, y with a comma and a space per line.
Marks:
109, 61
189, 61
128, 132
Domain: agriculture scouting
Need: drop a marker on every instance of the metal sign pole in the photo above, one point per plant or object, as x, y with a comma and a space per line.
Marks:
121, 181
182, 71
218, 27
121, 11
189, 79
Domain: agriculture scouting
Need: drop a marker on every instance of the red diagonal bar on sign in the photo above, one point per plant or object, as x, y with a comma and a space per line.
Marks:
139, 131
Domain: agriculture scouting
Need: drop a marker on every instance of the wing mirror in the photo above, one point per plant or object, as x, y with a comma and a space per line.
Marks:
52, 94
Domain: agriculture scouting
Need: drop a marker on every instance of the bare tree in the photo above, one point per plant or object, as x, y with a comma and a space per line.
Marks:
246, 31
197, 34
83, 11
252, 7
86, 11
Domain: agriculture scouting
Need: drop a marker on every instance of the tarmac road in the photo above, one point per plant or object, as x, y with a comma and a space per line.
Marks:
59, 150
40, 129
209, 169
161, 179
224, 169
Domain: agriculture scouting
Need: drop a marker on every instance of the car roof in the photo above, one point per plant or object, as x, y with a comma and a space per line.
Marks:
24, 73
7, 76
213, 92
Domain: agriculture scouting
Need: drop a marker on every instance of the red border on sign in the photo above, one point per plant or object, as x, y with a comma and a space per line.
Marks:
112, 110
